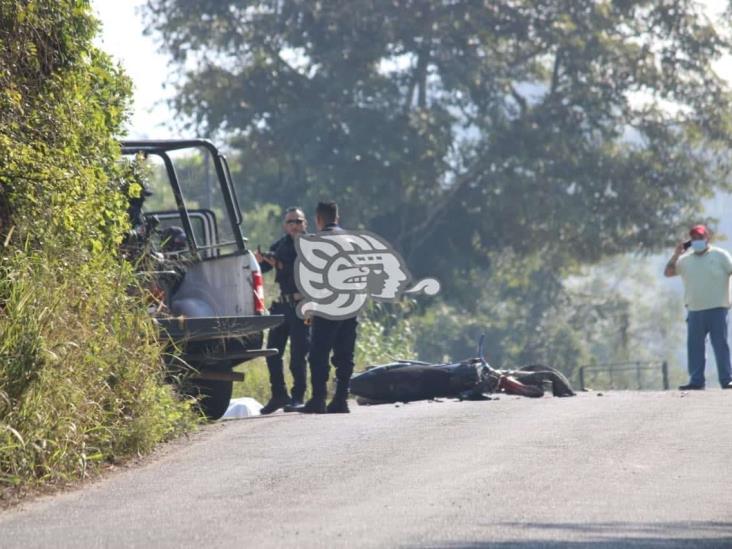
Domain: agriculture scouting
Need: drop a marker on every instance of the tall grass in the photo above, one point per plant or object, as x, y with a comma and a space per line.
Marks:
256, 380
80, 369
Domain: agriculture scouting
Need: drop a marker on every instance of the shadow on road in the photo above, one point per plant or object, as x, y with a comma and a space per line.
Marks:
610, 534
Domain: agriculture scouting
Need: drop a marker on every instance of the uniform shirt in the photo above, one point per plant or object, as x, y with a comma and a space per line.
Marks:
285, 252
706, 279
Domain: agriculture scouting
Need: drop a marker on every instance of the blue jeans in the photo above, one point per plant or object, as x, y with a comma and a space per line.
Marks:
699, 324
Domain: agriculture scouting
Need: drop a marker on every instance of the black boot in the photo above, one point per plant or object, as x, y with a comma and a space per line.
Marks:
339, 405
274, 404
313, 406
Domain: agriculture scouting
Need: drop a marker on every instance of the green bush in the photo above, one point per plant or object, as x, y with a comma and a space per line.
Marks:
385, 334
80, 367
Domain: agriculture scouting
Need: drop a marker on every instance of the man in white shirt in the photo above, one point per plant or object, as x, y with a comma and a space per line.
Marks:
705, 271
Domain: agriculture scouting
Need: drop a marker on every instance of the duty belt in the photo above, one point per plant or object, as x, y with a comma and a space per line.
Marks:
290, 298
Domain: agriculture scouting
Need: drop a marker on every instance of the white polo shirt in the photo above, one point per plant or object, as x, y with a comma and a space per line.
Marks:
706, 278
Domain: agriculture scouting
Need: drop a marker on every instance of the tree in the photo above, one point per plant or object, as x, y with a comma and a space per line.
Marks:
579, 128
548, 133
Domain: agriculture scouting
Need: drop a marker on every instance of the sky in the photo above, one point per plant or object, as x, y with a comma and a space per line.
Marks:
122, 38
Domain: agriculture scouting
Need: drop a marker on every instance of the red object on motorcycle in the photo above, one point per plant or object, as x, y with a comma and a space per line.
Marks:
513, 386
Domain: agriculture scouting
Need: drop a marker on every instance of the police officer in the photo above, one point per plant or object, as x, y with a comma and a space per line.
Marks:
328, 335
281, 256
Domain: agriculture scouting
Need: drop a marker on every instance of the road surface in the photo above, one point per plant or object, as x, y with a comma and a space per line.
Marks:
624, 469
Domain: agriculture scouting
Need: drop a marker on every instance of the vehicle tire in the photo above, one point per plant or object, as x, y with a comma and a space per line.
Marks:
213, 396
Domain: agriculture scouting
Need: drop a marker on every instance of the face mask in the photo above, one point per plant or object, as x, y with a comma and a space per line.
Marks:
698, 245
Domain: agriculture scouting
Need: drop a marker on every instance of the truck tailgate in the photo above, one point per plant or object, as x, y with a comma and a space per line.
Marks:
182, 329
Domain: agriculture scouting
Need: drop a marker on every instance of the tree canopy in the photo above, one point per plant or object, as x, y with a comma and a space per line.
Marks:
551, 132
583, 128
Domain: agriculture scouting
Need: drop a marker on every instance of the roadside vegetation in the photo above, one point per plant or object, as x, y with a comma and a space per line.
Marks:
80, 368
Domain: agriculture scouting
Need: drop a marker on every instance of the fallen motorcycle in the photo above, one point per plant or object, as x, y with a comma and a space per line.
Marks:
469, 379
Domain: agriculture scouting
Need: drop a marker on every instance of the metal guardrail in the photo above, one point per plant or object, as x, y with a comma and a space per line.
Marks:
617, 367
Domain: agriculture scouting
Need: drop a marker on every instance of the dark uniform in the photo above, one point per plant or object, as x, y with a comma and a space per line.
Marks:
338, 336
293, 327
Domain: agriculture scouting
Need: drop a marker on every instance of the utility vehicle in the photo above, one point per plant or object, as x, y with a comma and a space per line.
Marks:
213, 313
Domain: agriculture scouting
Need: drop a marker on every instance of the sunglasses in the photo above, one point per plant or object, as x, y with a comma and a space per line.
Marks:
295, 221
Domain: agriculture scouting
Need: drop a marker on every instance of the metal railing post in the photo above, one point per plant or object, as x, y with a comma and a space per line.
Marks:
610, 374
582, 378
625, 369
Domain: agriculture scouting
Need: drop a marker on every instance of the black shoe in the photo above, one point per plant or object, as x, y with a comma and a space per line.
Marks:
728, 386
338, 406
691, 387
313, 406
274, 404
294, 405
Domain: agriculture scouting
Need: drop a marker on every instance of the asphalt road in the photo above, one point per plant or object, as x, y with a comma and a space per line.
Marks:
619, 470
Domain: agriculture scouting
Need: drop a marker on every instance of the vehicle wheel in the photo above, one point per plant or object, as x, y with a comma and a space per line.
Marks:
213, 396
